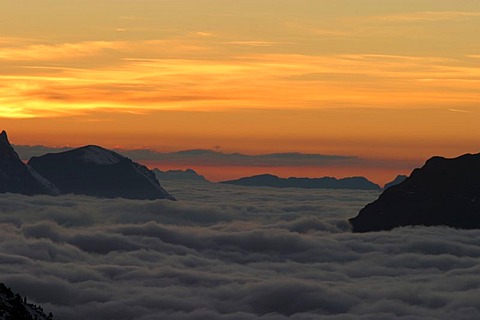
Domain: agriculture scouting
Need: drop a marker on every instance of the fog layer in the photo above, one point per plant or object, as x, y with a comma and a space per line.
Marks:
226, 252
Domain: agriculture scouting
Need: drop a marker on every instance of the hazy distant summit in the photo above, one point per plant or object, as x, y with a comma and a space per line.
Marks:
442, 192
268, 180
17, 177
179, 175
99, 172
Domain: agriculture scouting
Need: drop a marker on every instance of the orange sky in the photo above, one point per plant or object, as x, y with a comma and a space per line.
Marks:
384, 80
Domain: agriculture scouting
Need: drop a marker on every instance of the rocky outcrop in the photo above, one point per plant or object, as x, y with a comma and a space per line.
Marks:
398, 179
16, 176
14, 307
442, 192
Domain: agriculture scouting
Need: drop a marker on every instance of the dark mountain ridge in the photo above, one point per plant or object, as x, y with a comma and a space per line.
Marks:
14, 307
99, 172
442, 192
398, 179
16, 176
268, 180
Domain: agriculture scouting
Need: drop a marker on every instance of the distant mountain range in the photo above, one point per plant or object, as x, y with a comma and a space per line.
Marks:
179, 175
443, 192
268, 180
14, 307
89, 170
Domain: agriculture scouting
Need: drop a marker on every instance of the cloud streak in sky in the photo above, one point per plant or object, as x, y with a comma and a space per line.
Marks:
209, 157
429, 16
62, 51
204, 157
193, 74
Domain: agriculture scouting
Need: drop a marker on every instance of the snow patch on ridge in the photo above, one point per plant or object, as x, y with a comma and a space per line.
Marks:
98, 155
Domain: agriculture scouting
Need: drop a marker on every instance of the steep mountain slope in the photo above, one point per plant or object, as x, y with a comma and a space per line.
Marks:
442, 192
13, 307
95, 171
16, 177
398, 179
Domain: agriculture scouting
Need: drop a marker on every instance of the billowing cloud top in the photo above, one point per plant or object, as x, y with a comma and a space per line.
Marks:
232, 253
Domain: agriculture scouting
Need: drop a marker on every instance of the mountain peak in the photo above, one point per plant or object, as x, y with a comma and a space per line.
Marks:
96, 171
443, 192
99, 155
16, 177
4, 138
187, 175
6, 149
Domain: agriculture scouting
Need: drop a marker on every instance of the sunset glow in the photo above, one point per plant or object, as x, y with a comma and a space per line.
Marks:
383, 80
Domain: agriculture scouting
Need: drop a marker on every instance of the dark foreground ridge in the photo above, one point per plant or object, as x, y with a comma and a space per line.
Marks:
95, 171
398, 179
442, 192
14, 307
268, 180
90, 170
16, 176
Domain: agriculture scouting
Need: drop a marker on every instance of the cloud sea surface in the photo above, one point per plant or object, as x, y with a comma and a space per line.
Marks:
228, 252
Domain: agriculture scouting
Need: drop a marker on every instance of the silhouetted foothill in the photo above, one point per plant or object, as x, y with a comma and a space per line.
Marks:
14, 307
268, 180
442, 192
16, 176
95, 171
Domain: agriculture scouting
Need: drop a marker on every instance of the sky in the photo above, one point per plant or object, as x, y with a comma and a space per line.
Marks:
392, 81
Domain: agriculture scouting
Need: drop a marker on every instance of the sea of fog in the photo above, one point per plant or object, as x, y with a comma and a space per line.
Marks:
227, 252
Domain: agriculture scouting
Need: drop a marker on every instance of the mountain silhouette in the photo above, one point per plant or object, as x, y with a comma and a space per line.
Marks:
16, 176
99, 172
179, 175
442, 192
13, 306
269, 180
398, 179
